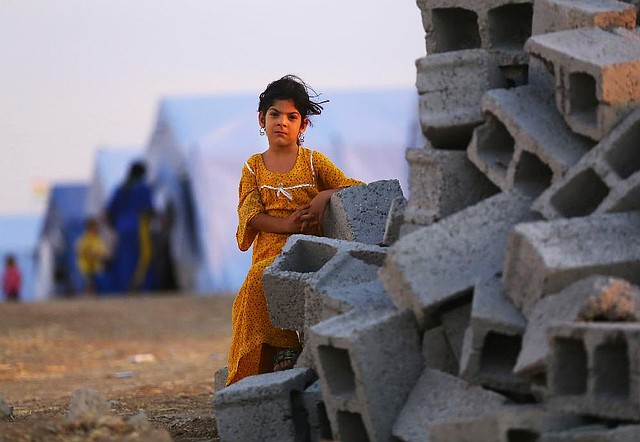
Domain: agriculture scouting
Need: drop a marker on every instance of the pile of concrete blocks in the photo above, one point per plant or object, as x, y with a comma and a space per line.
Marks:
501, 301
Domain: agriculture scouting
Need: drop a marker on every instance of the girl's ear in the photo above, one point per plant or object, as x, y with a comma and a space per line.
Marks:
261, 121
303, 125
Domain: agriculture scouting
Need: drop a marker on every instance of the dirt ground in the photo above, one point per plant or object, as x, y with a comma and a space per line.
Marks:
153, 353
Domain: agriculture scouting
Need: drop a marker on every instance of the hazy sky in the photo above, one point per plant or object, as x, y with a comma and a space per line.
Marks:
81, 74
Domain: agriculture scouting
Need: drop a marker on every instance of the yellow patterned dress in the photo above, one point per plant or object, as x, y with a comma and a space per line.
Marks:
254, 338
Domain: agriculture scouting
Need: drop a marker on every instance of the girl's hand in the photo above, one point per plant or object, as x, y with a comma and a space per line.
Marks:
315, 215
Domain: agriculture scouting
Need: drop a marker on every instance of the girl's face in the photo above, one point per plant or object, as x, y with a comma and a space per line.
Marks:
282, 123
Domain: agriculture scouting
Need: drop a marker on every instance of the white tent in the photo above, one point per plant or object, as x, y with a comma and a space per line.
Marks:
199, 145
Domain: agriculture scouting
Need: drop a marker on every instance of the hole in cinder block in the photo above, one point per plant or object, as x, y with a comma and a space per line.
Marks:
325, 424
581, 195
456, 137
510, 26
516, 75
569, 366
532, 176
499, 354
611, 370
522, 435
300, 416
371, 258
351, 427
338, 372
630, 201
455, 29
583, 103
495, 143
308, 257
624, 154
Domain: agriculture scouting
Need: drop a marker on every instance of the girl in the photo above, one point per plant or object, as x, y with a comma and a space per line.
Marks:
283, 190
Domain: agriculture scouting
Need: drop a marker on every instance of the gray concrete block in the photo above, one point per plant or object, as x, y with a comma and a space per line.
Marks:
524, 142
319, 425
363, 386
593, 298
500, 26
359, 213
594, 369
597, 76
436, 397
606, 179
493, 340
454, 317
546, 256
561, 15
505, 424
304, 260
437, 352
450, 87
220, 378
594, 433
442, 182
352, 284
264, 408
394, 221
437, 264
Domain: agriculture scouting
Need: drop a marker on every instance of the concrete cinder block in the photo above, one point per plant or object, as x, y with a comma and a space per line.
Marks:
304, 260
593, 298
353, 283
439, 263
597, 76
319, 425
220, 378
594, 369
561, 15
524, 142
505, 424
499, 26
436, 397
594, 433
493, 340
264, 408
546, 256
441, 183
394, 221
605, 180
437, 352
359, 213
450, 87
363, 386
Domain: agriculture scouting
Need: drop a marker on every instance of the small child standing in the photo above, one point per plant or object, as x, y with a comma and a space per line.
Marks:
11, 279
282, 191
92, 253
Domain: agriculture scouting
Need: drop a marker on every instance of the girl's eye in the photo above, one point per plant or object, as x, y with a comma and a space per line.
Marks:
293, 117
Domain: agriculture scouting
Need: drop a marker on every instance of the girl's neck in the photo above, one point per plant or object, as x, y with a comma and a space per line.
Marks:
280, 160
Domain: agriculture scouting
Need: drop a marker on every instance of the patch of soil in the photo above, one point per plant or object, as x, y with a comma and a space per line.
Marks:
154, 354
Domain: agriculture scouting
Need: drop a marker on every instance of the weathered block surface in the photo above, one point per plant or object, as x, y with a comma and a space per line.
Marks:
505, 424
261, 408
594, 369
594, 433
605, 180
597, 75
437, 264
304, 260
438, 396
593, 298
359, 213
450, 88
493, 340
546, 256
500, 26
319, 425
394, 221
362, 387
442, 182
524, 142
561, 15
220, 378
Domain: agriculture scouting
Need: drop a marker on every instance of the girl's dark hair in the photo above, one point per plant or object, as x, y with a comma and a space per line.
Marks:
291, 87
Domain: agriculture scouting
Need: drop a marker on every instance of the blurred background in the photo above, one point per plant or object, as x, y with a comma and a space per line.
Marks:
88, 87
